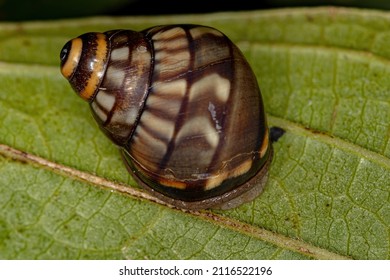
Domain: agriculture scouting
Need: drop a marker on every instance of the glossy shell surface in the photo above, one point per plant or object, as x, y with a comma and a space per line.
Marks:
183, 105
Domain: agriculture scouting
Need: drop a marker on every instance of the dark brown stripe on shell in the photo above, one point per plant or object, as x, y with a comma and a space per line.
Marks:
179, 120
125, 100
230, 76
117, 42
89, 49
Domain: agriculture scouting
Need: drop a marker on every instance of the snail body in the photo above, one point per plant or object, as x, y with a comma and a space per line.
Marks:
183, 105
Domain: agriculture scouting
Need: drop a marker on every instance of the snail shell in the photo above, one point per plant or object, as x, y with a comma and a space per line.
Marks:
183, 105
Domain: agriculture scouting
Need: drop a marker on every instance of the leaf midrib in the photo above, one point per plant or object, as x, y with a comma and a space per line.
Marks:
279, 240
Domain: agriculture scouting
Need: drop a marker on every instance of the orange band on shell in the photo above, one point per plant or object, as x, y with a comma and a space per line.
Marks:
264, 145
97, 67
71, 63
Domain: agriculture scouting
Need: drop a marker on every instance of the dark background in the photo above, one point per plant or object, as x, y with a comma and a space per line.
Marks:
17, 10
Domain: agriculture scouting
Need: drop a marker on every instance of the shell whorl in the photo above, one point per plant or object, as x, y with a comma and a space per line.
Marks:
202, 126
83, 63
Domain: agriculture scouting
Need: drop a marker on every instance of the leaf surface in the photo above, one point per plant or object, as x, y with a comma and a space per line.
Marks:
325, 79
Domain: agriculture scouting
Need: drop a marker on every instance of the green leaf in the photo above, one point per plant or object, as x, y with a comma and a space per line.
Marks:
325, 79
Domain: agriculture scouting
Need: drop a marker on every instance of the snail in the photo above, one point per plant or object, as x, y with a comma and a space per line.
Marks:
184, 107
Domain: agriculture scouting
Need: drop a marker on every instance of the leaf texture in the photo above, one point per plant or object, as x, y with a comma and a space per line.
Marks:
325, 79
